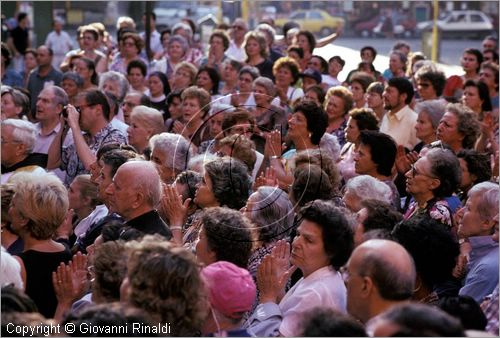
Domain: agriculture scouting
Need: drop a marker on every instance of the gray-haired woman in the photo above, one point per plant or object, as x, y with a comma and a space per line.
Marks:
267, 115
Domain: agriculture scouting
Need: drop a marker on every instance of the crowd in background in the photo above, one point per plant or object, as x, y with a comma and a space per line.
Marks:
242, 189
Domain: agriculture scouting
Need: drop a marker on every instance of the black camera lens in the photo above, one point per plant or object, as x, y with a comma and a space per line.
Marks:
65, 112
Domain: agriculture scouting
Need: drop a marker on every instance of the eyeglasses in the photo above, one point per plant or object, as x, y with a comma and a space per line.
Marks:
128, 44
79, 108
414, 172
424, 85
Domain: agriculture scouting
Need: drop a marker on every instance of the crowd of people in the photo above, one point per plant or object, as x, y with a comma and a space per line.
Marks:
242, 189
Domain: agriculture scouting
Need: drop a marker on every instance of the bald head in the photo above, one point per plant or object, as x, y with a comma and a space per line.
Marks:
389, 265
144, 178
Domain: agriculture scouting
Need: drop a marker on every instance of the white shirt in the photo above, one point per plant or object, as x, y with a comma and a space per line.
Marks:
330, 80
324, 287
120, 125
154, 42
60, 44
235, 52
401, 126
99, 212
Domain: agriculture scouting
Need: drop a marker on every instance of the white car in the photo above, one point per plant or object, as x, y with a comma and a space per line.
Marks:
461, 24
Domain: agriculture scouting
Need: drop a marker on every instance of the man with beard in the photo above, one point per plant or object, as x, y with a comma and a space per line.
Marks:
400, 120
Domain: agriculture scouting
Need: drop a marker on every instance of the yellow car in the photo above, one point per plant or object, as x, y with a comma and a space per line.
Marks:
314, 20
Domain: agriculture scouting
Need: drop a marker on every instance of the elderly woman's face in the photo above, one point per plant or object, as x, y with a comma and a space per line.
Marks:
167, 174
245, 81
261, 95
112, 87
424, 128
351, 130
447, 130
69, 87
182, 79
175, 50
138, 134
204, 81
9, 108
351, 200
204, 194
419, 180
335, 107
284, 77
129, 49
308, 250
297, 126
229, 73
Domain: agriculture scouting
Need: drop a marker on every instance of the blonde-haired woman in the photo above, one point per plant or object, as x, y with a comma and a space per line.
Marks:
144, 123
256, 49
338, 103
38, 208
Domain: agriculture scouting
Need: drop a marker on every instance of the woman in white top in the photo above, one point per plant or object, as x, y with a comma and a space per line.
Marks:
286, 74
323, 244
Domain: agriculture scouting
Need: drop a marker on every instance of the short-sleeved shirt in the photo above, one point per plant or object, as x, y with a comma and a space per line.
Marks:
69, 157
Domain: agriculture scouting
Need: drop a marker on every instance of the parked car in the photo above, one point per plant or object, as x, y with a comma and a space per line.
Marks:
365, 28
316, 21
464, 23
404, 27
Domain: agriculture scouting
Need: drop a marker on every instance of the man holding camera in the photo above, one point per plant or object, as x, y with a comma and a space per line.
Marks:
88, 121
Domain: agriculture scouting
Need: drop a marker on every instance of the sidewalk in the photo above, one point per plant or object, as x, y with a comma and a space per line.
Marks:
352, 58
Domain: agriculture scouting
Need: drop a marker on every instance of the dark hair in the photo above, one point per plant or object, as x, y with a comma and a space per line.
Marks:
365, 118
421, 320
435, 77
15, 301
466, 309
110, 268
478, 164
116, 157
494, 56
228, 235
380, 215
434, 253
317, 120
170, 99
21, 16
297, 50
363, 78
214, 77
138, 42
96, 97
137, 64
221, 34
310, 183
320, 92
403, 86
165, 31
94, 79
338, 237
231, 183
232, 118
6, 54
324, 64
310, 38
117, 315
73, 76
477, 53
164, 80
338, 59
376, 87
483, 91
382, 150
327, 322
289, 25
153, 15
190, 179
445, 166
370, 48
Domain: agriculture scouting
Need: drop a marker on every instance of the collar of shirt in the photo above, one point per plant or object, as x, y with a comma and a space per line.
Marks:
399, 115
53, 131
482, 242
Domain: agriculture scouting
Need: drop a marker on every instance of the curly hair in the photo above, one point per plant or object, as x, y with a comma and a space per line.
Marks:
434, 253
338, 237
342, 92
365, 118
310, 183
228, 234
310, 38
478, 164
231, 183
435, 77
43, 200
110, 268
174, 293
222, 35
242, 149
380, 215
444, 165
199, 94
323, 160
317, 120
289, 63
468, 124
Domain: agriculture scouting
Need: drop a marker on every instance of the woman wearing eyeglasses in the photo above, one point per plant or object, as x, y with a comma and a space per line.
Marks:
130, 48
429, 181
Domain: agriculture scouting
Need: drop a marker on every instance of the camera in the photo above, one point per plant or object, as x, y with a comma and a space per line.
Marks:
64, 112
